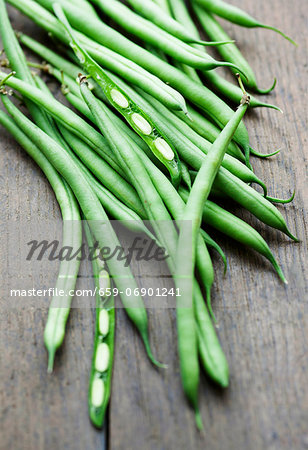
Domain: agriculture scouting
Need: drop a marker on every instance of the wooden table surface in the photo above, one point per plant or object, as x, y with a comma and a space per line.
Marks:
262, 324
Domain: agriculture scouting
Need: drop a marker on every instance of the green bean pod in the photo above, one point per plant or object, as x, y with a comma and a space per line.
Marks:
229, 52
133, 114
208, 130
237, 15
189, 152
232, 92
211, 354
192, 214
103, 348
149, 10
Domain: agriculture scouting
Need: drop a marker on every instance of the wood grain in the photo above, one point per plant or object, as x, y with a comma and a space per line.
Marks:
262, 324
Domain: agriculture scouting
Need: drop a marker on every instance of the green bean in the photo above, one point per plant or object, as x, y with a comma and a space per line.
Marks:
197, 94
94, 213
86, 7
217, 193
236, 15
189, 152
185, 261
202, 143
72, 92
188, 70
229, 52
258, 205
103, 348
237, 229
164, 4
57, 316
206, 129
211, 354
73, 96
149, 10
76, 100
133, 114
59, 306
66, 116
232, 92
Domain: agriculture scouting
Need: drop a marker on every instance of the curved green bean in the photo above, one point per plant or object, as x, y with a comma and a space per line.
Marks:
133, 114
229, 52
237, 15
149, 10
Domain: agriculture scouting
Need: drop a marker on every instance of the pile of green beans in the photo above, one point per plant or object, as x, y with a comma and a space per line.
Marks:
150, 141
